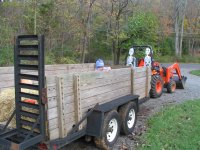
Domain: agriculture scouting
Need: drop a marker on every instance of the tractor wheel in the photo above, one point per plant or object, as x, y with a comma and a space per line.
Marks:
171, 86
128, 115
156, 86
110, 131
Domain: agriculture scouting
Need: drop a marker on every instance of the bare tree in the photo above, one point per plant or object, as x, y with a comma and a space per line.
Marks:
85, 11
180, 9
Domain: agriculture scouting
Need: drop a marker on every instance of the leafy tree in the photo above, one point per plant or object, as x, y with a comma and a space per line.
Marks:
142, 27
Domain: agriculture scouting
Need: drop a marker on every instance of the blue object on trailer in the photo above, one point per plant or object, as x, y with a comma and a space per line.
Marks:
99, 63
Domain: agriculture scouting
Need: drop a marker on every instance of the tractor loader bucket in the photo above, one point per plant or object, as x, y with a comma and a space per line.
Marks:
180, 83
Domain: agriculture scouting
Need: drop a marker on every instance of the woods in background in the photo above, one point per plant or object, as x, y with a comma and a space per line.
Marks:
78, 31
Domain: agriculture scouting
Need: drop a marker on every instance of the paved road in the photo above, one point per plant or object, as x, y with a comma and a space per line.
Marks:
147, 109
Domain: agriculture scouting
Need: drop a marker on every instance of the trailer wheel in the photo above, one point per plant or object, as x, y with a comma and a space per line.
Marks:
156, 86
128, 117
110, 131
171, 86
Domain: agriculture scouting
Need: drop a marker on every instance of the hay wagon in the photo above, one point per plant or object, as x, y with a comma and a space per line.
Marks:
77, 101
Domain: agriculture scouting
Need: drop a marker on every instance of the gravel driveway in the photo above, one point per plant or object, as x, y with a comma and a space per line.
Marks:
147, 109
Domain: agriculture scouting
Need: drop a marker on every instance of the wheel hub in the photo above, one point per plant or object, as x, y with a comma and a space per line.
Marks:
173, 87
131, 118
112, 130
158, 87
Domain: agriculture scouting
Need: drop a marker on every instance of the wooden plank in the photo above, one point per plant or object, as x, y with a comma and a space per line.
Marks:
140, 75
69, 66
70, 126
67, 78
147, 82
61, 107
53, 123
139, 69
52, 102
91, 76
7, 77
139, 86
67, 100
132, 81
140, 80
53, 68
6, 70
105, 97
101, 98
52, 90
105, 82
6, 84
104, 89
77, 99
85, 109
54, 134
117, 95
53, 112
140, 91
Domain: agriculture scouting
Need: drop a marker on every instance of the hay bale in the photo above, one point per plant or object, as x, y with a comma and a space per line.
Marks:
7, 104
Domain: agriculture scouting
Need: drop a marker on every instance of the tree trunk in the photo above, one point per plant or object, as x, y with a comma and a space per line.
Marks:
192, 47
189, 48
118, 55
35, 17
181, 38
182, 29
114, 51
84, 47
176, 37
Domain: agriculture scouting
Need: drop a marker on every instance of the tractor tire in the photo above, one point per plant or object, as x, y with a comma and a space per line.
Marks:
171, 86
110, 131
128, 115
156, 86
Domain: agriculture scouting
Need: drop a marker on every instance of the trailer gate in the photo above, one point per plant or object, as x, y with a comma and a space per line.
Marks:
30, 118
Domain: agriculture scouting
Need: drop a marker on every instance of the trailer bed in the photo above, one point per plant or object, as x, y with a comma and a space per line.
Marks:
71, 95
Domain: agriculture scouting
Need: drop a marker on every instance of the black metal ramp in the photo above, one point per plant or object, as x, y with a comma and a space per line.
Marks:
29, 85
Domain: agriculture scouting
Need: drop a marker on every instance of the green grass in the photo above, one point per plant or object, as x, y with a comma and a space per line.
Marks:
174, 128
195, 72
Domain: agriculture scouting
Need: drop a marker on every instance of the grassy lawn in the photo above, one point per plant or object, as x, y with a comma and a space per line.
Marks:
195, 72
174, 128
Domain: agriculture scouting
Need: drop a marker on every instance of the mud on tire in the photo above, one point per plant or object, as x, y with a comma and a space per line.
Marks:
128, 115
156, 86
104, 142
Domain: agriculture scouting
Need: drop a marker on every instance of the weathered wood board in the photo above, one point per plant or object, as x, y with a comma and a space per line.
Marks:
71, 95
7, 73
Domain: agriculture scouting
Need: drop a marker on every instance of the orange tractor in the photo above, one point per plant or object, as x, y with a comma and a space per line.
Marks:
162, 77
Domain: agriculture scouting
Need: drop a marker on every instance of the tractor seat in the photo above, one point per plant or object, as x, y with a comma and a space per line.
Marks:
141, 62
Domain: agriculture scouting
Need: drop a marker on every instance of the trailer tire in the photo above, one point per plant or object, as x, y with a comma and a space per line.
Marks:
171, 86
128, 115
156, 86
108, 138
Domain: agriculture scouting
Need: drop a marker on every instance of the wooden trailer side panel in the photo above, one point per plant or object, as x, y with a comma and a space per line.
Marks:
71, 95
141, 81
8, 72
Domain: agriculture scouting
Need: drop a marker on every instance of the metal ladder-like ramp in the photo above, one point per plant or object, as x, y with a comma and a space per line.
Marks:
29, 87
